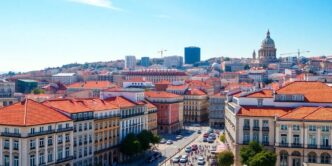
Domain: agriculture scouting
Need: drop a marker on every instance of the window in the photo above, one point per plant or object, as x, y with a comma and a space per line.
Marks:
16, 131
325, 158
67, 138
60, 126
283, 127
255, 137
246, 137
325, 128
265, 138
60, 153
296, 127
41, 142
259, 102
32, 144
312, 128
41, 129
15, 144
80, 127
85, 126
265, 123
6, 160
50, 140
67, 125
49, 128
16, 163
67, 152
312, 139
32, 130
312, 157
50, 156
284, 139
296, 139
32, 160
59, 139
90, 125
6, 144
246, 122
325, 140
256, 123
41, 158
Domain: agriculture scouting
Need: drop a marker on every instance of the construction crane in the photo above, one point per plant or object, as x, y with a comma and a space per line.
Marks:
161, 52
298, 53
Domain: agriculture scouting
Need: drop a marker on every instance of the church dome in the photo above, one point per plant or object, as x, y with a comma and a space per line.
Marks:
268, 41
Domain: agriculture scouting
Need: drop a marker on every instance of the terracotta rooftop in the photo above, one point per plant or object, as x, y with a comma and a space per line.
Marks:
121, 102
160, 94
196, 92
177, 87
309, 113
265, 93
68, 105
163, 82
316, 92
30, 113
263, 111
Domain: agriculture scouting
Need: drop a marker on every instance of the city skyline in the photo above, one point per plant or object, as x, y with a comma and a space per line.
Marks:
39, 34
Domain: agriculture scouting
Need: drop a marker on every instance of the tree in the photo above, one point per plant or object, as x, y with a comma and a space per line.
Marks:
225, 158
263, 158
130, 145
38, 91
222, 138
145, 138
248, 152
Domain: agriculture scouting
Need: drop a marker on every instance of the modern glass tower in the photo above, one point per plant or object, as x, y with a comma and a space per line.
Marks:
192, 55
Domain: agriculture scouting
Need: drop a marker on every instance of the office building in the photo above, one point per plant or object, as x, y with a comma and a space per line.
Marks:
173, 61
192, 55
130, 62
145, 61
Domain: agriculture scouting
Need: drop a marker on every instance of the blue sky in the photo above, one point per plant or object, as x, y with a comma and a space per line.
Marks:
35, 34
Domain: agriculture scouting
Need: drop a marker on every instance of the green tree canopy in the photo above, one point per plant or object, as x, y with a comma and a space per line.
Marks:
225, 158
145, 138
248, 152
130, 145
263, 158
38, 91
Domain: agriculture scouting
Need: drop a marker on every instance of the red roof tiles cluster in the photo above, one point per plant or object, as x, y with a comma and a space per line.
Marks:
309, 113
92, 85
30, 113
265, 93
160, 94
263, 111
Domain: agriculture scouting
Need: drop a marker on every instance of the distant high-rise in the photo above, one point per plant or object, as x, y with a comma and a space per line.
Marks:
173, 61
130, 62
192, 55
145, 61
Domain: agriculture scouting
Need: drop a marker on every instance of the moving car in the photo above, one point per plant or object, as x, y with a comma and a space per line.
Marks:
200, 161
184, 159
176, 159
199, 131
210, 140
206, 135
213, 162
194, 147
169, 142
205, 139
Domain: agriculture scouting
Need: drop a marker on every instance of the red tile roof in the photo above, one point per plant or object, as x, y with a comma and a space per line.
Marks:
177, 87
196, 92
263, 111
30, 113
92, 85
68, 105
121, 102
160, 94
265, 93
316, 92
163, 82
309, 113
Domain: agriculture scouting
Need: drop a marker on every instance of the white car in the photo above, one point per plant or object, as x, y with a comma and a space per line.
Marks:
184, 159
169, 142
200, 161
179, 137
176, 159
188, 149
162, 141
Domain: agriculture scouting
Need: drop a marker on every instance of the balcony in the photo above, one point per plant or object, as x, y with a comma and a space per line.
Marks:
283, 144
64, 159
6, 134
265, 129
246, 127
325, 146
65, 129
296, 145
312, 146
256, 128
40, 133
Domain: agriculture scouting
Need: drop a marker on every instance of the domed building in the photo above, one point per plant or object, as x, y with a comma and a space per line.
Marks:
267, 53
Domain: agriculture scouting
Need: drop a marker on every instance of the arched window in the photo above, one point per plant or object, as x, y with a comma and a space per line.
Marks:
283, 158
312, 157
325, 158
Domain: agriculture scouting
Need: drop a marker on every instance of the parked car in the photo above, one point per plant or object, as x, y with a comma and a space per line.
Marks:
169, 142
179, 137
188, 149
176, 159
184, 158
162, 141
213, 162
199, 131
200, 161
210, 140
210, 130
205, 139
206, 135
194, 147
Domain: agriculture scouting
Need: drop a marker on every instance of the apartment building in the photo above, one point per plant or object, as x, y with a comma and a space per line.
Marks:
35, 134
156, 75
304, 136
216, 110
169, 110
255, 116
195, 106
152, 118
83, 118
